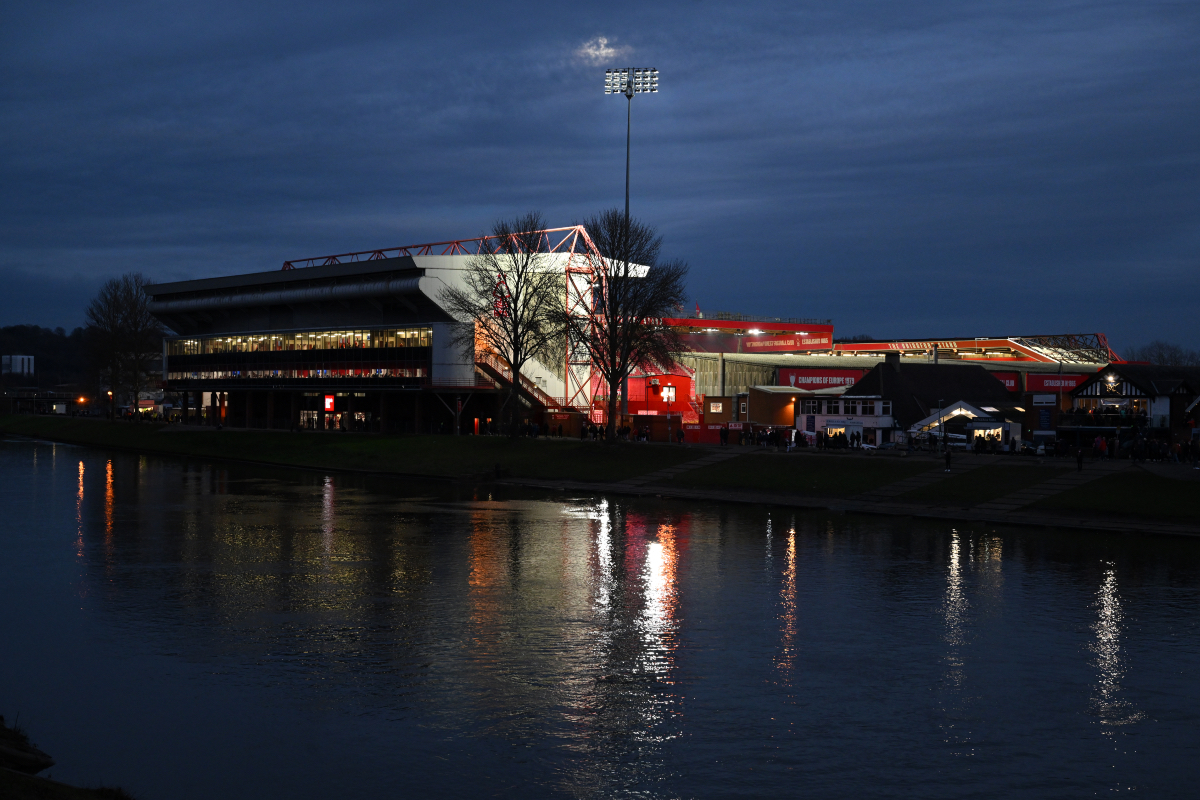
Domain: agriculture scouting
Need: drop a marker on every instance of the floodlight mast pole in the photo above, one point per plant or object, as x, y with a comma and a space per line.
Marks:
629, 81
628, 128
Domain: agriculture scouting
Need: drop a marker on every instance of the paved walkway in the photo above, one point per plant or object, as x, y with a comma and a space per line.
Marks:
1008, 510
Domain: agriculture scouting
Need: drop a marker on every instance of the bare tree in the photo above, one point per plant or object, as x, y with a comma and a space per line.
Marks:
508, 301
124, 337
632, 292
1165, 354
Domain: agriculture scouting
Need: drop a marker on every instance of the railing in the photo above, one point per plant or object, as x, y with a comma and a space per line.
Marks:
477, 382
550, 240
495, 365
730, 316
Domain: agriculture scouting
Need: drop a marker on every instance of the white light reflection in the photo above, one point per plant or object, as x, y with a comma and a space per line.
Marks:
604, 559
954, 613
1107, 702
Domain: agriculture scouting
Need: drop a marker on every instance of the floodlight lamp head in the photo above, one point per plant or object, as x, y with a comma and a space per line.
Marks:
630, 81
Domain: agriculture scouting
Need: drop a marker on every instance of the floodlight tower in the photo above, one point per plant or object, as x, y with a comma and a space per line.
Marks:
629, 81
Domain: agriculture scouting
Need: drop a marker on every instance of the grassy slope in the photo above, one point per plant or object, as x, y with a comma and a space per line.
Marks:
1135, 493
425, 455
981, 485
826, 476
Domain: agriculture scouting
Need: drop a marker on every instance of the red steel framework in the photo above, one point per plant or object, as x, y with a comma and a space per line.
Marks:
573, 242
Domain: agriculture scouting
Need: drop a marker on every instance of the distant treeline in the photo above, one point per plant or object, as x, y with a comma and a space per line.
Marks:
60, 358
1165, 353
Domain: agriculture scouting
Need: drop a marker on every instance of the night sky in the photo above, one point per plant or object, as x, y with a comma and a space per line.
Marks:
909, 170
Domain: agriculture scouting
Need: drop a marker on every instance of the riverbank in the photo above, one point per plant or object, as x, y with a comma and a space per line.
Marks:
1115, 496
433, 457
20, 760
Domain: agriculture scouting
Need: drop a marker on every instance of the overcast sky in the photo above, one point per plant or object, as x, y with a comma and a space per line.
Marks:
909, 170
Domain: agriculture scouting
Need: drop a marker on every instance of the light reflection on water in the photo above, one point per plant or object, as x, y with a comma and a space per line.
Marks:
599, 647
1107, 702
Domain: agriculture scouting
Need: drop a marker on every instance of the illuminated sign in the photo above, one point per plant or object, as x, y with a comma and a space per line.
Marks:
1053, 383
715, 408
329, 402
818, 378
796, 342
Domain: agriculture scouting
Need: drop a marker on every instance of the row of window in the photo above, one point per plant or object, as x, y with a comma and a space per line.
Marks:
224, 374
851, 408
304, 340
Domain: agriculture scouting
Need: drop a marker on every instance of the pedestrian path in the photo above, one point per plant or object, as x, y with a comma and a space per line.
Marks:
1040, 491
957, 467
671, 472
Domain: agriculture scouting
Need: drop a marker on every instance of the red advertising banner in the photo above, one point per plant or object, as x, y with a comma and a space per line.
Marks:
779, 344
1053, 383
1011, 380
819, 378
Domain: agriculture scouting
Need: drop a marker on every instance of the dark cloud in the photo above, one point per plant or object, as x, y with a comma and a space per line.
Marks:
997, 168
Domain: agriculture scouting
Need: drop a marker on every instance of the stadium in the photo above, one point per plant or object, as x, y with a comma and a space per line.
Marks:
363, 341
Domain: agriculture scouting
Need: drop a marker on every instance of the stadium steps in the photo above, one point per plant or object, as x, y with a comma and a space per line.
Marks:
671, 472
957, 467
1032, 494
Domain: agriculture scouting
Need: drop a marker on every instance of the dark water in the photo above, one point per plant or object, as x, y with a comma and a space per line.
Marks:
196, 631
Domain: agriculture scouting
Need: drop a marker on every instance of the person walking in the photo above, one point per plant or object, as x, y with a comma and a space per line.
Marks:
1079, 458
948, 458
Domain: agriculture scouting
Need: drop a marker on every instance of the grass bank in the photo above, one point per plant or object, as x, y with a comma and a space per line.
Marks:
982, 484
436, 456
1132, 494
816, 475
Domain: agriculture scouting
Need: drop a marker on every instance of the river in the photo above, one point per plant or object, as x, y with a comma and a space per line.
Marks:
191, 630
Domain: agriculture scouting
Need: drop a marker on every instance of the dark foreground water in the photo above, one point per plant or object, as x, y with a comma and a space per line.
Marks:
194, 631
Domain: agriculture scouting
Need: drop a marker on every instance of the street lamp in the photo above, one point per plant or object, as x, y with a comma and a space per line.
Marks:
629, 81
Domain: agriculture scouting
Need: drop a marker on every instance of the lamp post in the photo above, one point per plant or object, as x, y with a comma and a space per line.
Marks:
629, 81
